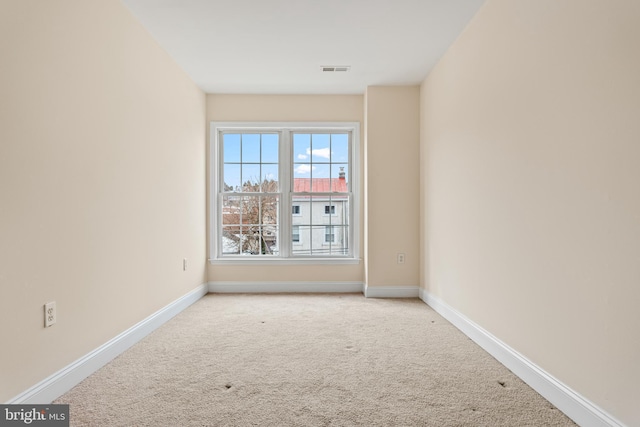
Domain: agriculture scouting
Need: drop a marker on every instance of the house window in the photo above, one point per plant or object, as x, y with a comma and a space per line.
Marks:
329, 234
262, 171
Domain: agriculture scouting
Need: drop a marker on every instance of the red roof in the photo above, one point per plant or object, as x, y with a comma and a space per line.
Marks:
320, 185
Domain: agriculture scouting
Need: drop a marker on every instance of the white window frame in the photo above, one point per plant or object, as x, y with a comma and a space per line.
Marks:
286, 178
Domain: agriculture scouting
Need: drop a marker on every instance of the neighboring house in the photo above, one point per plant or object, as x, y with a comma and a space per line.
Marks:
320, 223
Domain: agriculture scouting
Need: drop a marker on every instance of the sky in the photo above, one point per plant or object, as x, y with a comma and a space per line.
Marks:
255, 156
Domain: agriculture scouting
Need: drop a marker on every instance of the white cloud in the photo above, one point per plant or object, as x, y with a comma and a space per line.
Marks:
320, 152
302, 156
304, 169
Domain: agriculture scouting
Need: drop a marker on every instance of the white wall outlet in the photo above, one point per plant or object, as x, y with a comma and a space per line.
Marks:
401, 258
184, 264
50, 314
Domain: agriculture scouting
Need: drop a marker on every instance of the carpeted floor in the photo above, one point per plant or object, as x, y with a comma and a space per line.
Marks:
307, 360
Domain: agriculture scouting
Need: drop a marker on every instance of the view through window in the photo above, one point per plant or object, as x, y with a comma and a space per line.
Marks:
284, 193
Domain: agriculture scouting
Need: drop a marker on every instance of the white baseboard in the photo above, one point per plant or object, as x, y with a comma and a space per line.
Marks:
65, 379
391, 291
576, 407
284, 287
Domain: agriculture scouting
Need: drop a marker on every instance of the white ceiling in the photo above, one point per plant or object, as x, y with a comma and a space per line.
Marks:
278, 46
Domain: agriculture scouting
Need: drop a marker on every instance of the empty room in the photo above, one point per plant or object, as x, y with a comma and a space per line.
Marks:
292, 212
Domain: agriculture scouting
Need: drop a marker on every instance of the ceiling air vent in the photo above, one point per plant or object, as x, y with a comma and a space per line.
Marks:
335, 68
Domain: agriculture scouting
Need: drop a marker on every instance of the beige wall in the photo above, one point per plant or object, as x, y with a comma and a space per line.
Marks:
530, 147
102, 181
289, 108
392, 184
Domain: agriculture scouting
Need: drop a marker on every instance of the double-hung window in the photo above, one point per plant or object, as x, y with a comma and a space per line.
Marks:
284, 192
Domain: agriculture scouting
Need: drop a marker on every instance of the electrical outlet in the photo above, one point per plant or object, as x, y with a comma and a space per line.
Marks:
400, 258
49, 314
184, 264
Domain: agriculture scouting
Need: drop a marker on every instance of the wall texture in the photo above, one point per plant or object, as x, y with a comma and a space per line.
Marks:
530, 200
287, 108
102, 181
392, 185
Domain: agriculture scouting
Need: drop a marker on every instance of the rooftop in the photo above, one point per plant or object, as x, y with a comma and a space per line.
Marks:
320, 185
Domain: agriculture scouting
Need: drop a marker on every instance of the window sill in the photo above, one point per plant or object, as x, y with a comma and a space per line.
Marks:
285, 261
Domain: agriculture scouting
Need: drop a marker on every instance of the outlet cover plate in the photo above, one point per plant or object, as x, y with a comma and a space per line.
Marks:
50, 314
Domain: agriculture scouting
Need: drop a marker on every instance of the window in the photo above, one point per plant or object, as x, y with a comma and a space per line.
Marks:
250, 194
329, 234
261, 172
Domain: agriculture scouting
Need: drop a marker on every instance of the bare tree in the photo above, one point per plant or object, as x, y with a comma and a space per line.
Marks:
250, 218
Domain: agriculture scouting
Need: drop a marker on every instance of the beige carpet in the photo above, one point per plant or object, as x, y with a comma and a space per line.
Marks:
307, 360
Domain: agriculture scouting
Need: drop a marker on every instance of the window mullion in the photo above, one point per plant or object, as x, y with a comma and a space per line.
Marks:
286, 187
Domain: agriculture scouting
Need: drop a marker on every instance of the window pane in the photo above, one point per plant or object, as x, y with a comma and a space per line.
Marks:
231, 240
302, 246
320, 171
250, 208
301, 211
231, 180
319, 182
320, 148
318, 244
250, 240
269, 242
339, 177
250, 177
329, 234
231, 147
339, 148
231, 212
340, 243
269, 178
302, 147
270, 148
269, 210
250, 148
